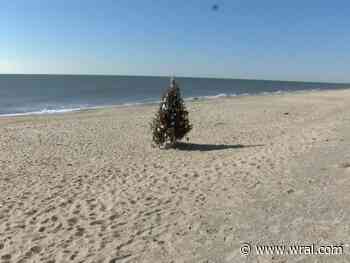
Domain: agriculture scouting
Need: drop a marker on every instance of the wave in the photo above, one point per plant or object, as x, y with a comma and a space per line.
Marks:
41, 112
210, 97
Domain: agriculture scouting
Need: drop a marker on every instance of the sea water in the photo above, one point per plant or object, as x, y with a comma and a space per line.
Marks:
41, 94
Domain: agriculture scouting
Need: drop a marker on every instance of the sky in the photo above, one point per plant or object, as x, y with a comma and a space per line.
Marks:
306, 40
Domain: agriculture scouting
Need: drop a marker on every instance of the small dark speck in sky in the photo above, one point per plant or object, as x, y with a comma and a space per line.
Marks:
215, 7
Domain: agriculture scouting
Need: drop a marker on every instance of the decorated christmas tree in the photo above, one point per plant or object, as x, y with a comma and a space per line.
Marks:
171, 122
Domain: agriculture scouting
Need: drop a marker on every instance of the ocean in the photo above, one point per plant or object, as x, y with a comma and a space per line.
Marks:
44, 94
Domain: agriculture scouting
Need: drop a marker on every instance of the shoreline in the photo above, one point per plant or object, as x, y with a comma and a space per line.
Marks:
153, 103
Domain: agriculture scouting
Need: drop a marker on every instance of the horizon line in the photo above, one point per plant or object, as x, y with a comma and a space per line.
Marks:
172, 75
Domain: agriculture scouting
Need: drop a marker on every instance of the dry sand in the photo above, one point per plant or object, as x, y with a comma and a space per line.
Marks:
88, 186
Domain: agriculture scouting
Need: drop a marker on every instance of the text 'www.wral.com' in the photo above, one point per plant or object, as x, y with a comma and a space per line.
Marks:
260, 249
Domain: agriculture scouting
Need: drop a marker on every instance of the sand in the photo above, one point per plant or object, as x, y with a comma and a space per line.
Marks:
88, 186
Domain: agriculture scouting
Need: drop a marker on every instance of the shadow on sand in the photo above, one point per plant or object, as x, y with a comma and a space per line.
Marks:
210, 147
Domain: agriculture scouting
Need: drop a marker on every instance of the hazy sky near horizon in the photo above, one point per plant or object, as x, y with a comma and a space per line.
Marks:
286, 40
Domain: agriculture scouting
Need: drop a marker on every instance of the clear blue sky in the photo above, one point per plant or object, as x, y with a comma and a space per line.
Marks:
288, 40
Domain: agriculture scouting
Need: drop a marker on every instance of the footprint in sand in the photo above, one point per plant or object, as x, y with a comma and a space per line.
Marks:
80, 231
74, 255
72, 221
6, 257
345, 165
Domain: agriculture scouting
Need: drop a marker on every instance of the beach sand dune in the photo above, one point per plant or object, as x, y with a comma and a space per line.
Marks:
88, 186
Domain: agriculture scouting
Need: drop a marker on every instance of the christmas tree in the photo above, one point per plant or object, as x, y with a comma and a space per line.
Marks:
171, 122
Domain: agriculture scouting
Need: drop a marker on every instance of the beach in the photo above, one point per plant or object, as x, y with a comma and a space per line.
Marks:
89, 187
